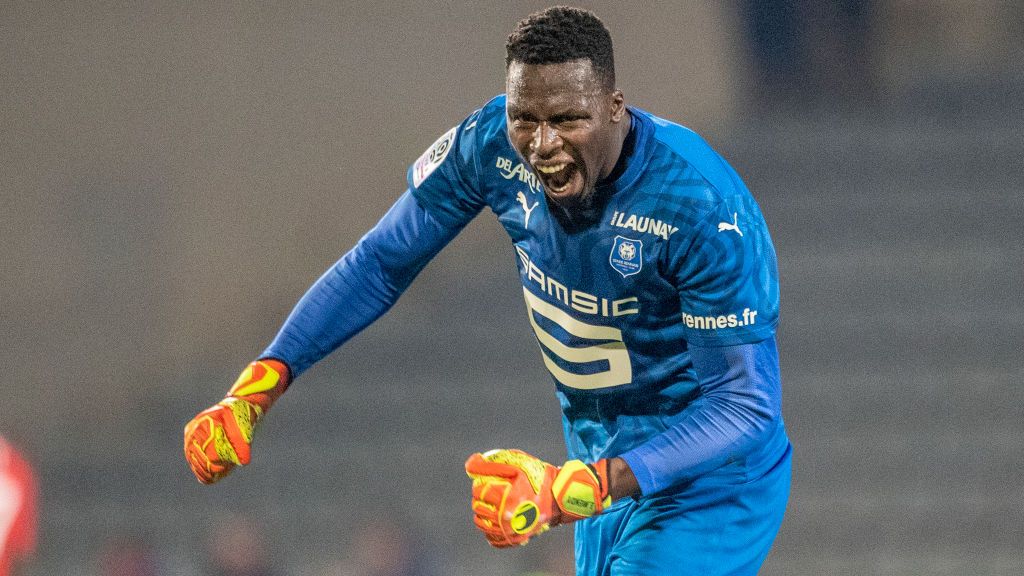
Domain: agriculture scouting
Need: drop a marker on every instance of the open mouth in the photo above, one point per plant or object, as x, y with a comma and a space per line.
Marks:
557, 177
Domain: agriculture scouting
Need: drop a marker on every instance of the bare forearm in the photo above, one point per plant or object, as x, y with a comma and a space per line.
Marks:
621, 481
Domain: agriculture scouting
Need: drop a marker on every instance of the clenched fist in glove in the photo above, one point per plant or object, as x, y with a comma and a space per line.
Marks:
220, 437
517, 496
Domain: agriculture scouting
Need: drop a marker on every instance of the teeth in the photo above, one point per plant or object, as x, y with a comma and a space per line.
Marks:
551, 169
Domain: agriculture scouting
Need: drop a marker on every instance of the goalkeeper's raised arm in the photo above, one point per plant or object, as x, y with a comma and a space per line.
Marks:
357, 290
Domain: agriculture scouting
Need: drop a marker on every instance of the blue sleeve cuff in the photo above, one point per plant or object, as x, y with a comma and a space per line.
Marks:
644, 477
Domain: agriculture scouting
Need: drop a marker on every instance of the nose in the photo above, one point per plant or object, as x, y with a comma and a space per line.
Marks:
546, 140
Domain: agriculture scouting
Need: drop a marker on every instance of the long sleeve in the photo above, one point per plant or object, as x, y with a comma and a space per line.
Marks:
361, 286
738, 413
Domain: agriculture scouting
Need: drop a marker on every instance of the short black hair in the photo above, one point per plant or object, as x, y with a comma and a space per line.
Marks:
561, 34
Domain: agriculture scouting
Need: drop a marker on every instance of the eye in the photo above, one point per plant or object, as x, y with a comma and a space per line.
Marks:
568, 121
524, 124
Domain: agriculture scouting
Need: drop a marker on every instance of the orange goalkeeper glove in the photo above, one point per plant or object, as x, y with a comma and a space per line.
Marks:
220, 437
517, 496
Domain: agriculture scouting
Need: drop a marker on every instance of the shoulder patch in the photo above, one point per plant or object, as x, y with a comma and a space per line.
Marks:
433, 157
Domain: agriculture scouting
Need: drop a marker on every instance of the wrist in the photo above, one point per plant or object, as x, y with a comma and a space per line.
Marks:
622, 482
261, 382
284, 373
579, 490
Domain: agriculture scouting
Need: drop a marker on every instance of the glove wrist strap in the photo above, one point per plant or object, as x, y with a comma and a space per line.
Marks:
581, 490
261, 383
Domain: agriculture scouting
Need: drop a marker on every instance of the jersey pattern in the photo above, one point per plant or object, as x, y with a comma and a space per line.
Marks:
680, 256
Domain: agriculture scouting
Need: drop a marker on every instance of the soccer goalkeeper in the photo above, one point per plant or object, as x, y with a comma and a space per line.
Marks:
650, 282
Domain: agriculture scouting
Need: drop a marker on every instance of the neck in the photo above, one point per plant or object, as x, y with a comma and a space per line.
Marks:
619, 151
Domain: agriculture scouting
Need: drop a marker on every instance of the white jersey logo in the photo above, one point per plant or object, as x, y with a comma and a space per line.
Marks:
519, 172
723, 226
526, 209
643, 224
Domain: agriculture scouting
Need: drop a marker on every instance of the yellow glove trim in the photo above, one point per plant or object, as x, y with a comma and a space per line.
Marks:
525, 518
267, 382
223, 447
246, 415
578, 498
533, 467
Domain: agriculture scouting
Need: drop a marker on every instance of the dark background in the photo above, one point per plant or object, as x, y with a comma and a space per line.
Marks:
174, 175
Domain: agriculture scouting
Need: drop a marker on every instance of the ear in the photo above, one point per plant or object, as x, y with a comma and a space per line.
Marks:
618, 104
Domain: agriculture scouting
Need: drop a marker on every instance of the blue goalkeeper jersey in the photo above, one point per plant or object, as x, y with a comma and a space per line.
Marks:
679, 257
655, 317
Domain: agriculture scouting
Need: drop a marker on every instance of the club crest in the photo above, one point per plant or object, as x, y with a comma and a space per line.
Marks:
627, 256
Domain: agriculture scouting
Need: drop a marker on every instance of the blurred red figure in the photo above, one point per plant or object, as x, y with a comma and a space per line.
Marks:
18, 512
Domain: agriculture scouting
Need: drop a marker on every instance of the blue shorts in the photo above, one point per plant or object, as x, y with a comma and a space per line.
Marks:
712, 527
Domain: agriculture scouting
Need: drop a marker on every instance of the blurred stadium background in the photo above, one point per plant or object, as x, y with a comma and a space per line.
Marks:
174, 175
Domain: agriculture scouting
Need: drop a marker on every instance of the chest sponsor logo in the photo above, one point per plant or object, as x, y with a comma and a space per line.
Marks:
517, 170
643, 224
627, 256
433, 157
576, 352
572, 298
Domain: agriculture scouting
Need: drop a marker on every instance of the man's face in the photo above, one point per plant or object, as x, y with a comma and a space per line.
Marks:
566, 126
